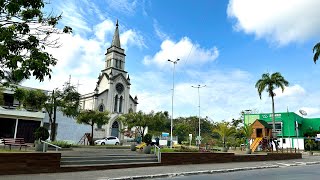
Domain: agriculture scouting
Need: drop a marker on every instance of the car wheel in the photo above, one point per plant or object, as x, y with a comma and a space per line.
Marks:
102, 143
117, 143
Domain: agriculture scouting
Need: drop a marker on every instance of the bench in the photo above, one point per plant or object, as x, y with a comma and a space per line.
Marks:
14, 142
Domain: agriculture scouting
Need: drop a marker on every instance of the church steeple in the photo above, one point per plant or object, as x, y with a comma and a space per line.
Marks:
116, 38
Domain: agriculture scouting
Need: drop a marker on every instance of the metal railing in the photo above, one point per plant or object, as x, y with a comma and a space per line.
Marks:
157, 152
44, 146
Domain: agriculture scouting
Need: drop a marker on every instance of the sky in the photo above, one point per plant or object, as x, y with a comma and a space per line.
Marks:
224, 45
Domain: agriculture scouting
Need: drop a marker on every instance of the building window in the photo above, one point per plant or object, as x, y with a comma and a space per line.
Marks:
120, 104
101, 108
130, 110
116, 63
120, 63
283, 141
115, 103
99, 126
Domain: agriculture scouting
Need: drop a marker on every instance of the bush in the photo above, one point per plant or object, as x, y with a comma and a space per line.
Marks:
186, 149
63, 144
147, 139
41, 133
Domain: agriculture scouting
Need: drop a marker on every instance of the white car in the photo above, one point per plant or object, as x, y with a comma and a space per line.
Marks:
108, 140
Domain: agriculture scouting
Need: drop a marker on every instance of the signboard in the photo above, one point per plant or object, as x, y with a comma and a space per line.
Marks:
198, 138
164, 134
317, 137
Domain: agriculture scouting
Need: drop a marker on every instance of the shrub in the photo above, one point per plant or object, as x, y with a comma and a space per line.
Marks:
186, 149
147, 139
41, 133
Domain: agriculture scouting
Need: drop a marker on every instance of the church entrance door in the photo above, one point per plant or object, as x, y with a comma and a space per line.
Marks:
115, 129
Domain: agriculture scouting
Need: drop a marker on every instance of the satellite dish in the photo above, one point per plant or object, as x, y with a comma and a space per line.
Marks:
302, 112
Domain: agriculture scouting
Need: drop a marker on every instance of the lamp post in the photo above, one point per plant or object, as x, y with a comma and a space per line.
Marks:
199, 86
174, 64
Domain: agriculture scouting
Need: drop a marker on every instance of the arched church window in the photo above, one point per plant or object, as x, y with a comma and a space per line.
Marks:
130, 110
117, 63
101, 108
120, 104
115, 103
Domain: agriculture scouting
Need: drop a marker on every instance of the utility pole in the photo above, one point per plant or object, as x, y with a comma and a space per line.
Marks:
199, 86
174, 64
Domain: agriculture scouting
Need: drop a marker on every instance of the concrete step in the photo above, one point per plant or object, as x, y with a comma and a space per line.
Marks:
109, 166
105, 161
85, 158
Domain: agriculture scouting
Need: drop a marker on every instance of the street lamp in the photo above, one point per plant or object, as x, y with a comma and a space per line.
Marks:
174, 64
199, 86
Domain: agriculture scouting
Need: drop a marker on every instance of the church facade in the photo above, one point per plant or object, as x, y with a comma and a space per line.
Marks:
112, 92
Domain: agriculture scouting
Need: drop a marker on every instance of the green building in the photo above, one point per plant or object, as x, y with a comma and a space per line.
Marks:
290, 127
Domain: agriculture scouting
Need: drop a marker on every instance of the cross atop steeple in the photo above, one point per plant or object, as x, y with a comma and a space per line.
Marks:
116, 38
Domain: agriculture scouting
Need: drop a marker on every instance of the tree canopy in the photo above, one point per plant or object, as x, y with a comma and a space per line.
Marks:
91, 118
25, 33
269, 83
316, 51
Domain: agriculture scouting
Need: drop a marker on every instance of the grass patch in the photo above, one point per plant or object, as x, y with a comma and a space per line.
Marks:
12, 150
63, 144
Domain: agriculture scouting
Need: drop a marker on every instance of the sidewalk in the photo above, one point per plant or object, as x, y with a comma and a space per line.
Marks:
141, 173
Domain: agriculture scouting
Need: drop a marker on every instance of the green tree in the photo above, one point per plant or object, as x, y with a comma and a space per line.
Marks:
91, 118
25, 32
157, 123
1, 96
141, 121
269, 83
31, 99
66, 100
182, 130
316, 51
247, 131
225, 131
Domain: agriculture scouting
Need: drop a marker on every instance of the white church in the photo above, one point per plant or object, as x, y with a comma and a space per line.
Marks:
112, 92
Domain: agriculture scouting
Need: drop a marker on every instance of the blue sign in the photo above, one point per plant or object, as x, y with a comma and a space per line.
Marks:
164, 134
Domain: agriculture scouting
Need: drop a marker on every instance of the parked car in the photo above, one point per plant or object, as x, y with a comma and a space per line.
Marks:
108, 140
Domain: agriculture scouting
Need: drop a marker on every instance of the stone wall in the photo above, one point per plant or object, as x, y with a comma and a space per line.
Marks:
22, 163
201, 158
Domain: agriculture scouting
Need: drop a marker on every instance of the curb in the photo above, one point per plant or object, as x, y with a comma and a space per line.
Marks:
194, 173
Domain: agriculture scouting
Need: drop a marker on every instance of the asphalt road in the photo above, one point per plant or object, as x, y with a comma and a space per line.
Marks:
286, 173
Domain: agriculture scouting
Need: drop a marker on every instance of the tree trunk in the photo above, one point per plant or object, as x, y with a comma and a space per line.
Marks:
91, 139
53, 125
273, 117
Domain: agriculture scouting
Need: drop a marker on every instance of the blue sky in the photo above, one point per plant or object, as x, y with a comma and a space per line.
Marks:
225, 45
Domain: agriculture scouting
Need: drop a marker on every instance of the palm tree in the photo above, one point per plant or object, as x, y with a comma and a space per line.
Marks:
316, 51
224, 130
269, 83
247, 131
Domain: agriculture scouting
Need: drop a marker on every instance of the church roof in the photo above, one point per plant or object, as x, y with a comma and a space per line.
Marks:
116, 38
133, 100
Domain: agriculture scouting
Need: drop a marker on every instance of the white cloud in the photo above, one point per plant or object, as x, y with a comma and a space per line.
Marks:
73, 17
131, 37
83, 57
158, 31
103, 29
185, 50
124, 6
279, 21
295, 90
